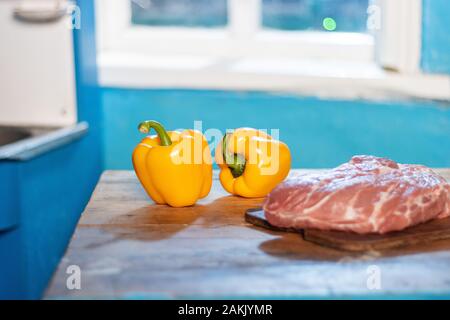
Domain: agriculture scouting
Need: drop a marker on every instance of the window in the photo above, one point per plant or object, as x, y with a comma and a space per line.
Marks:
347, 15
233, 28
184, 13
328, 47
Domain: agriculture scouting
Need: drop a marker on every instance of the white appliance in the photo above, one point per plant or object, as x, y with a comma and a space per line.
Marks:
37, 78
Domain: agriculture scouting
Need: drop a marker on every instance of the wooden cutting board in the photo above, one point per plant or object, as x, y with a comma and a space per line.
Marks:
424, 233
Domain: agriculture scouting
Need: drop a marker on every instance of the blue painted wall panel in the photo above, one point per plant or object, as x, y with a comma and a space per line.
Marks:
320, 133
436, 36
88, 91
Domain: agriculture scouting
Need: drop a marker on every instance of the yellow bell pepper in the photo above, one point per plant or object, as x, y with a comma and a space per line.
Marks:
252, 162
175, 168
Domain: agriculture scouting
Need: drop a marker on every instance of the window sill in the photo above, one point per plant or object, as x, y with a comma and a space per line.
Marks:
325, 78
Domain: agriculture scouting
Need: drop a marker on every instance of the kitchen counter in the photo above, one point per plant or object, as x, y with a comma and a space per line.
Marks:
128, 248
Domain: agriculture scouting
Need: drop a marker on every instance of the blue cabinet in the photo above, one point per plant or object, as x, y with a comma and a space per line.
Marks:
44, 188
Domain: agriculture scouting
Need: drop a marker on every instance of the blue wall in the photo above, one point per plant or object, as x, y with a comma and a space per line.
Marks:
320, 133
436, 36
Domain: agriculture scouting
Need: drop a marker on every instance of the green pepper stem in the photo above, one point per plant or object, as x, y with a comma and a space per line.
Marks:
146, 126
234, 161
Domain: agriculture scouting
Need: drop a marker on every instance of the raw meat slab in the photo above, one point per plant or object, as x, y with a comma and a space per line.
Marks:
438, 229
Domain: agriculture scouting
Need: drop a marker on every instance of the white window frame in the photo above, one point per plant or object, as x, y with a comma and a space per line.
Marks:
399, 40
242, 37
244, 56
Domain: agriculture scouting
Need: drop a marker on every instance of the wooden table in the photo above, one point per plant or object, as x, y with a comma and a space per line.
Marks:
126, 247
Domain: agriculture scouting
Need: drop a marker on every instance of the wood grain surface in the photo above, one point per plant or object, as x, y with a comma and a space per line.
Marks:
127, 247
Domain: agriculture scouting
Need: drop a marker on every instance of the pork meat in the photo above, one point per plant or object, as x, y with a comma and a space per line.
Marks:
365, 195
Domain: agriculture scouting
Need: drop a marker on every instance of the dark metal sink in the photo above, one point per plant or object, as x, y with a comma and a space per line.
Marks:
10, 134
22, 143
